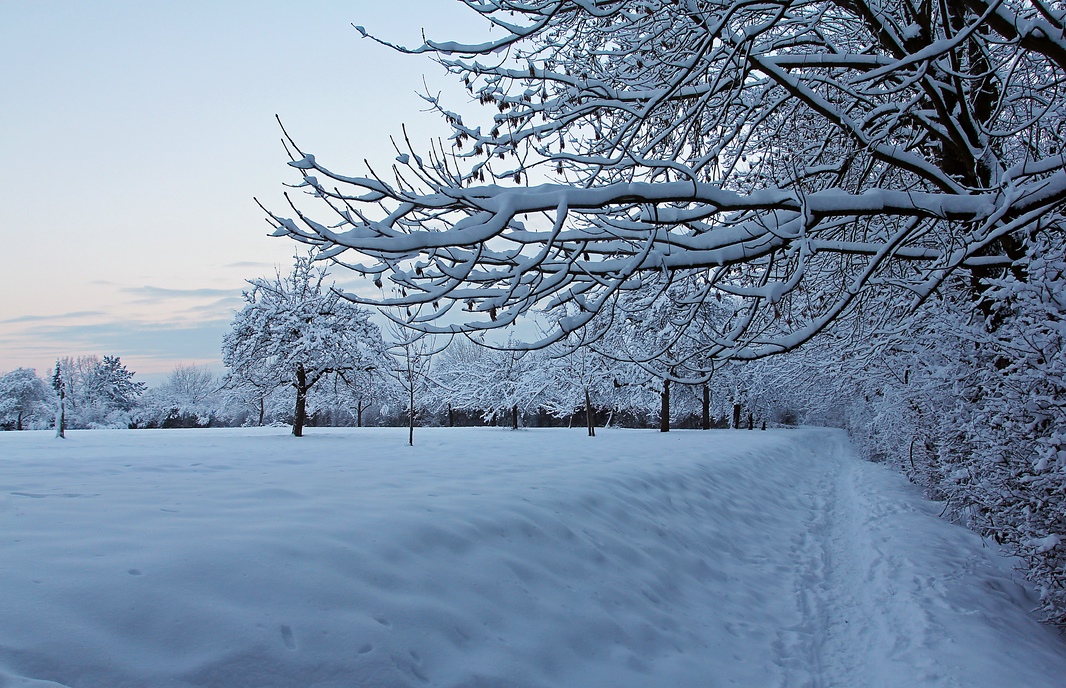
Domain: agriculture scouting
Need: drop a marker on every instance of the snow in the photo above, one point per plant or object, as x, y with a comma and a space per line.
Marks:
1046, 544
490, 558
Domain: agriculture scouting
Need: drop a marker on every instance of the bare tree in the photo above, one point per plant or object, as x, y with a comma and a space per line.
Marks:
412, 356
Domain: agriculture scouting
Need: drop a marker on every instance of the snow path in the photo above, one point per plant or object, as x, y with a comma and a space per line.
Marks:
486, 558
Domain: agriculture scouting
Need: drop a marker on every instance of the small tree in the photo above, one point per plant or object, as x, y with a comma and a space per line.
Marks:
412, 358
294, 331
24, 399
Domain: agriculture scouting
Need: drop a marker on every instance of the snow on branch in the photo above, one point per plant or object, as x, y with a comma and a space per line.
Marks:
803, 157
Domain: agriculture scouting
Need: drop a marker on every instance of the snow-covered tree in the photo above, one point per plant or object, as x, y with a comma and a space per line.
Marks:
660, 336
806, 157
189, 397
25, 400
296, 332
458, 371
72, 377
96, 393
111, 387
883, 181
254, 398
59, 385
497, 382
575, 378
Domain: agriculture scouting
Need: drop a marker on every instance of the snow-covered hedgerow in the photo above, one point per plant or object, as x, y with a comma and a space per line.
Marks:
1011, 458
975, 411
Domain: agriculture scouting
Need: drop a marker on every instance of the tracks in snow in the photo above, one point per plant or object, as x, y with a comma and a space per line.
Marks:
890, 595
863, 617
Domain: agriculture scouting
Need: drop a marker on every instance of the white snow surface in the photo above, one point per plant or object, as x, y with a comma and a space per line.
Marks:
487, 558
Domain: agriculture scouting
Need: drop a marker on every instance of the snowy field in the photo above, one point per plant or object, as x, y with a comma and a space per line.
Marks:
492, 559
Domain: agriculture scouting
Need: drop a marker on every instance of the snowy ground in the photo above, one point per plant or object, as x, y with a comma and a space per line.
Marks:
489, 558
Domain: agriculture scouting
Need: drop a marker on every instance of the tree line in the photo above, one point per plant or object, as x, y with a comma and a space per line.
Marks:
300, 354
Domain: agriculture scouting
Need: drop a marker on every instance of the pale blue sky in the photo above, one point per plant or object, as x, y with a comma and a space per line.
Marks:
136, 134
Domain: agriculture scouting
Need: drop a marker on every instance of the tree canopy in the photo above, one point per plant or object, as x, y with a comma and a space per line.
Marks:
811, 158
294, 331
25, 400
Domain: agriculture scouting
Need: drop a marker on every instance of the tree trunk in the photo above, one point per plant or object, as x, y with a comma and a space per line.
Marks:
664, 412
262, 410
736, 416
359, 413
590, 422
706, 406
451, 417
751, 421
18, 421
61, 417
514, 417
300, 416
411, 413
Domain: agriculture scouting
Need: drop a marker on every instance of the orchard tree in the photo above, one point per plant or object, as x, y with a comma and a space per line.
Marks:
254, 394
25, 400
499, 382
571, 377
296, 332
459, 373
664, 332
